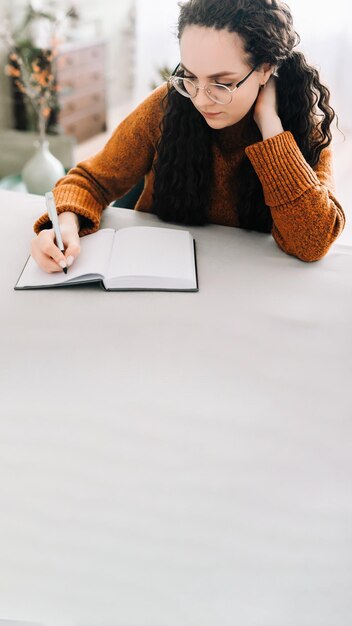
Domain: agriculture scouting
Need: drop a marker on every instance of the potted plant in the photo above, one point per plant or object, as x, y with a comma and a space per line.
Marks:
32, 70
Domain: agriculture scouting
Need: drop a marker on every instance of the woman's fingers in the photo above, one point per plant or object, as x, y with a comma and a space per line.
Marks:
72, 247
46, 253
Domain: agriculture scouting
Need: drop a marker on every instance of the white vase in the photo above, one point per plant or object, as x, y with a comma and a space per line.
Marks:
42, 170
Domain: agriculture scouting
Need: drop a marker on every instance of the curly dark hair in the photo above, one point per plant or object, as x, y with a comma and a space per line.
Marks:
183, 174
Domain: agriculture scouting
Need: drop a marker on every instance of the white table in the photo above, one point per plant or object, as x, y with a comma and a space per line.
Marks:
177, 458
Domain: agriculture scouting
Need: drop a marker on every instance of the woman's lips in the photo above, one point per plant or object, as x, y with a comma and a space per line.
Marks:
210, 114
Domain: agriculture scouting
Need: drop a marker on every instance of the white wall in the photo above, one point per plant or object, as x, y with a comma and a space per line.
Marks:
157, 44
325, 31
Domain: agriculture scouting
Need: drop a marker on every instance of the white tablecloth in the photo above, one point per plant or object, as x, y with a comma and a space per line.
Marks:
177, 458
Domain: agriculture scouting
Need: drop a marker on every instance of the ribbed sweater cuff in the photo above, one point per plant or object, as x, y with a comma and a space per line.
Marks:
77, 200
281, 168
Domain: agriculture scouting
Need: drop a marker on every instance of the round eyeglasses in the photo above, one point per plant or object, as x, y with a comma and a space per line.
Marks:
221, 94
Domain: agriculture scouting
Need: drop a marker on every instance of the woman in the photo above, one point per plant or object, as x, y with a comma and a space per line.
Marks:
239, 136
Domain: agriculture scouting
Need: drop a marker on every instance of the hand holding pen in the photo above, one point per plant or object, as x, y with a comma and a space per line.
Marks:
51, 208
56, 249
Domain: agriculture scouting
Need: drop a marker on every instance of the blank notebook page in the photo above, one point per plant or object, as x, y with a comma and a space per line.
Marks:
150, 251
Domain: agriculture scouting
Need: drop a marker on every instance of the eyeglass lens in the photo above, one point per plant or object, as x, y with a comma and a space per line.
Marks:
217, 93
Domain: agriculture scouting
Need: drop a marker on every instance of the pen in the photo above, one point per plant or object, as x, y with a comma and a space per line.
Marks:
51, 208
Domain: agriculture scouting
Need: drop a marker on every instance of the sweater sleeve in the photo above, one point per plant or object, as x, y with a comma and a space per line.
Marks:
128, 155
307, 218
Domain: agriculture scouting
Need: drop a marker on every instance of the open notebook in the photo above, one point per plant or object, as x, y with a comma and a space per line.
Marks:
139, 257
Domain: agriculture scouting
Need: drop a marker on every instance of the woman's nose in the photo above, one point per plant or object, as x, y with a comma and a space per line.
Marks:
202, 97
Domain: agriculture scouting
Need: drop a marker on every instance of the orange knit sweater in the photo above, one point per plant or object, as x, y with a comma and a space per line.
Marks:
306, 216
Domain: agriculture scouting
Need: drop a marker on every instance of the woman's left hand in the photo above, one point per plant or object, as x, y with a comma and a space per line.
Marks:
266, 110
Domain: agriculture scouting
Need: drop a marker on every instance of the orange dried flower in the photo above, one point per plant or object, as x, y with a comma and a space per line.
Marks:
20, 86
42, 79
12, 71
34, 79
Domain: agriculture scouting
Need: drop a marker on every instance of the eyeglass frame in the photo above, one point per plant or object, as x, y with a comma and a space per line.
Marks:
231, 91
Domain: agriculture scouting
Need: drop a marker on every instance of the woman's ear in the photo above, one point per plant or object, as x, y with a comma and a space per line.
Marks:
266, 71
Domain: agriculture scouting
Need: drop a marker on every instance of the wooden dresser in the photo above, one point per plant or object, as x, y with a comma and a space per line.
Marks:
79, 69
80, 73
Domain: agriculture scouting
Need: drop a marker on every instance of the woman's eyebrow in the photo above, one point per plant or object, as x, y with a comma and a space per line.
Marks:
225, 73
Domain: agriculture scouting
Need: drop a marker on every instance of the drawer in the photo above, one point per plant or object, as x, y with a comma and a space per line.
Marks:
86, 127
91, 81
72, 106
94, 55
77, 61
67, 62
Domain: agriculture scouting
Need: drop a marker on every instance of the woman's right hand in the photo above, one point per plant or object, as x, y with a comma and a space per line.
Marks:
45, 252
